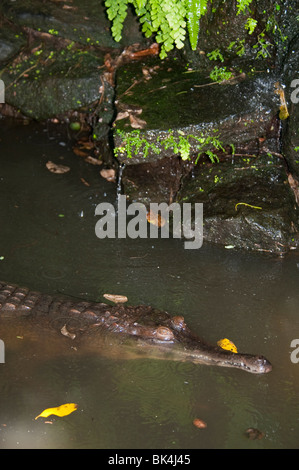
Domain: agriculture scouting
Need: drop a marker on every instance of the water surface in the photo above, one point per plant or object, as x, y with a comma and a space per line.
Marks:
48, 243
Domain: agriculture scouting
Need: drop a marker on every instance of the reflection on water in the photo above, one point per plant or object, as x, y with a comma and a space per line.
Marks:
47, 242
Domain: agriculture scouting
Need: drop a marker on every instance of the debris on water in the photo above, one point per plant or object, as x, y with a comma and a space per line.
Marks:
253, 433
55, 168
65, 332
155, 219
108, 174
199, 423
62, 410
117, 299
227, 344
84, 182
93, 161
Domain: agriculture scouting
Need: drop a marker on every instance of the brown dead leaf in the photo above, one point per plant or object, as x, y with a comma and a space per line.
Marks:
152, 50
58, 169
69, 7
294, 186
108, 174
155, 219
122, 115
65, 332
84, 182
86, 144
79, 152
93, 161
199, 423
253, 434
136, 122
117, 299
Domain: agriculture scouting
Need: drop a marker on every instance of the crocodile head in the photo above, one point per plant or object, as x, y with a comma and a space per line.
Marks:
161, 336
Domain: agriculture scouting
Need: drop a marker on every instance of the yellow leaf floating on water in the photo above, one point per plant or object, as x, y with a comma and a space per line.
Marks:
227, 344
62, 410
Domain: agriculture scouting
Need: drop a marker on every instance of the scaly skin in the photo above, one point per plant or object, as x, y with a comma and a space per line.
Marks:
153, 333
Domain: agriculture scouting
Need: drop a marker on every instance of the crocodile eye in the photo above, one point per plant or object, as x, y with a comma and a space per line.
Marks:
164, 333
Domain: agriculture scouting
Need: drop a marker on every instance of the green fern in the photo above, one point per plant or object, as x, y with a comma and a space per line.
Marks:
242, 5
117, 12
195, 10
167, 19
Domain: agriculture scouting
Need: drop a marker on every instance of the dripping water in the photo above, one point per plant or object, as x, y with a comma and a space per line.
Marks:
119, 180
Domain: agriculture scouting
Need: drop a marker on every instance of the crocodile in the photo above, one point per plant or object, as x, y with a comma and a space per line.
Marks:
143, 329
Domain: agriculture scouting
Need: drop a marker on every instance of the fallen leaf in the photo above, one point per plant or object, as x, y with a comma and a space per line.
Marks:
62, 410
58, 169
84, 182
146, 73
85, 144
199, 423
152, 50
294, 186
227, 344
253, 433
136, 122
155, 219
79, 152
65, 332
93, 161
118, 299
122, 115
109, 175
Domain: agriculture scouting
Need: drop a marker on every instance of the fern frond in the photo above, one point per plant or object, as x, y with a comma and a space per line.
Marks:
195, 10
117, 12
140, 4
242, 5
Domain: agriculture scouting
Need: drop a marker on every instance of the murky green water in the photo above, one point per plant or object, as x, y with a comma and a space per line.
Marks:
48, 242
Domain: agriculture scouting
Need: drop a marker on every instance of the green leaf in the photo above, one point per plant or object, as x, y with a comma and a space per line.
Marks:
140, 3
250, 25
242, 5
195, 10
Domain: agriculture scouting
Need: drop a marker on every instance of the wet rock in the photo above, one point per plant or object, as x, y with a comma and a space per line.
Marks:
180, 105
290, 129
153, 182
61, 68
49, 81
83, 22
10, 42
248, 204
222, 22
